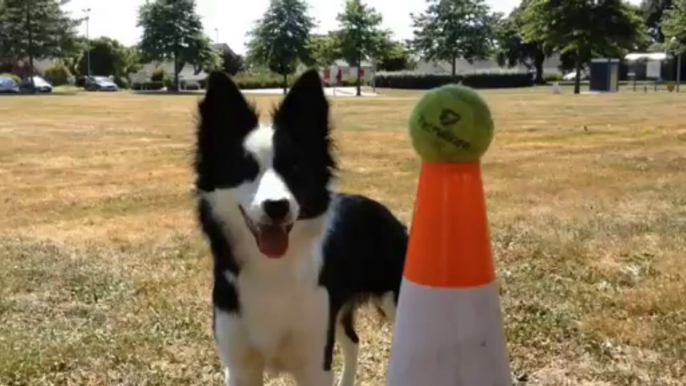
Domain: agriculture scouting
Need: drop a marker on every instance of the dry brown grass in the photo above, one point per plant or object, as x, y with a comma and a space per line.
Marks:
105, 278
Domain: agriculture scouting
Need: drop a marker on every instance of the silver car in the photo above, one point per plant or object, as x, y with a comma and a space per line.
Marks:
8, 85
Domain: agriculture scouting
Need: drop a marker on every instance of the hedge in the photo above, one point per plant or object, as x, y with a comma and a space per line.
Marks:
258, 80
419, 81
154, 86
253, 81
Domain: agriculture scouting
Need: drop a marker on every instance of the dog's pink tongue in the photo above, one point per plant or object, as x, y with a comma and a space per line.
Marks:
273, 241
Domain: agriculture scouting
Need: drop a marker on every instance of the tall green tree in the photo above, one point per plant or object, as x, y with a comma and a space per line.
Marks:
35, 29
172, 30
280, 39
324, 50
513, 49
674, 27
453, 29
653, 12
109, 57
360, 35
583, 28
395, 56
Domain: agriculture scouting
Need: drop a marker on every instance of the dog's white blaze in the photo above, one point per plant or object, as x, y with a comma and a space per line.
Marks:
259, 143
268, 185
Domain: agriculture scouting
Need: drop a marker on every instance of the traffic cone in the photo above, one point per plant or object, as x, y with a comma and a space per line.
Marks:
449, 328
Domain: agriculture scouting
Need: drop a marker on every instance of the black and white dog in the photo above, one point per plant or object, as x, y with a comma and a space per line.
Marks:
292, 259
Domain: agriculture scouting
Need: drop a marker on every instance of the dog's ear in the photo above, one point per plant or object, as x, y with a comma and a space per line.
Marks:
225, 109
305, 109
225, 118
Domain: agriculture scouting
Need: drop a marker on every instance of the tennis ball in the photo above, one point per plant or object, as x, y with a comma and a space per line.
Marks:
451, 123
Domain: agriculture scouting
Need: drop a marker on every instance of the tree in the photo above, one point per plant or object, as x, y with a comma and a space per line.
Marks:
452, 29
324, 49
231, 62
395, 56
653, 12
360, 37
279, 40
35, 29
584, 28
513, 49
172, 30
674, 27
109, 57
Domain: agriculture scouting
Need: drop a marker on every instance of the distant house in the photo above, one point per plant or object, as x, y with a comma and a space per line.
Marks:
348, 72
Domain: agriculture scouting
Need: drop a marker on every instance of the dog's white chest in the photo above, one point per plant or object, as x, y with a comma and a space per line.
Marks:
284, 318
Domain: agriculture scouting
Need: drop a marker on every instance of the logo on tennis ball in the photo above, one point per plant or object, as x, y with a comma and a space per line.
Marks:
447, 118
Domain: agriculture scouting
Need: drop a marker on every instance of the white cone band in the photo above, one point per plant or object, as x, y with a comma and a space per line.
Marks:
449, 337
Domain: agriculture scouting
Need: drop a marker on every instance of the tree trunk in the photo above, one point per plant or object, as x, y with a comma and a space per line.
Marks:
577, 68
285, 84
30, 31
359, 74
538, 65
175, 87
453, 62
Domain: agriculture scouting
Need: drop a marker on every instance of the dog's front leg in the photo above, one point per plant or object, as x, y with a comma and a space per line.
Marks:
314, 376
316, 339
243, 366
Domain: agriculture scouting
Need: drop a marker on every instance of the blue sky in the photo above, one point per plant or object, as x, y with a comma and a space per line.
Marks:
233, 18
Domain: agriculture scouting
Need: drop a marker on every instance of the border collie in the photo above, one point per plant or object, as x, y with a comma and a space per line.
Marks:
293, 260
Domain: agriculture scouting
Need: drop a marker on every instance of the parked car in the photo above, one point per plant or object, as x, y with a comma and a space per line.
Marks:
8, 85
40, 84
100, 83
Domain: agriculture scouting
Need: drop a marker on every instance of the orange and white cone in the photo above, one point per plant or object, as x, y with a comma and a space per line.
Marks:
449, 329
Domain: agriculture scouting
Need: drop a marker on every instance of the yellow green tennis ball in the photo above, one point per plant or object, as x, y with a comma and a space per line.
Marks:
451, 123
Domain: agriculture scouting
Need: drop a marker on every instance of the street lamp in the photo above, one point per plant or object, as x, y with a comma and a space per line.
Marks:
678, 62
216, 30
87, 11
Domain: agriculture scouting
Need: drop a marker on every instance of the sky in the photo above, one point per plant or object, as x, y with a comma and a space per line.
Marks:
230, 20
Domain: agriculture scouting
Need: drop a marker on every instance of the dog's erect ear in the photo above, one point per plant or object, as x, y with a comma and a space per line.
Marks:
305, 107
224, 108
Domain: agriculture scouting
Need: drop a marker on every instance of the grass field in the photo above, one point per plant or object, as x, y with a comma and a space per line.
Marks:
105, 279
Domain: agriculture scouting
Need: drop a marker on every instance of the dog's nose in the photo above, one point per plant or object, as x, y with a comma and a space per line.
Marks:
276, 210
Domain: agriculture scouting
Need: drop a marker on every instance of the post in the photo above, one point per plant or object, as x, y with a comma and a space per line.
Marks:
87, 11
374, 75
678, 71
30, 30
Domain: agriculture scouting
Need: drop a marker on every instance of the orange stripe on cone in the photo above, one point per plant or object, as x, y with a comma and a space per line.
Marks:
450, 242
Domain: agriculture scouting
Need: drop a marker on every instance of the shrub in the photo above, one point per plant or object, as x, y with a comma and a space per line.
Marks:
420, 81
121, 82
158, 75
16, 79
57, 75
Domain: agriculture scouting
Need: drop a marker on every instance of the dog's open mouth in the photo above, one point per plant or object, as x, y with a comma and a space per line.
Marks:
271, 239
